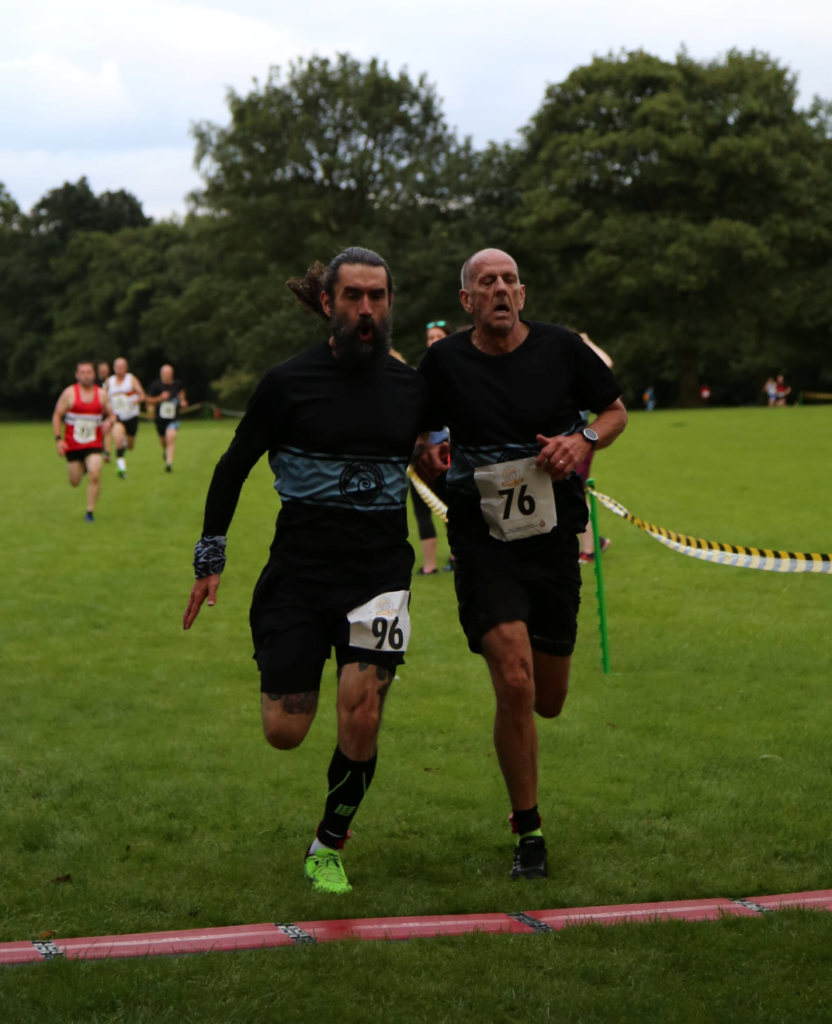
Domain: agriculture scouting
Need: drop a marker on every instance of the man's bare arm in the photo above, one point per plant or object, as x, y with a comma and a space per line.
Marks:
63, 404
560, 455
107, 407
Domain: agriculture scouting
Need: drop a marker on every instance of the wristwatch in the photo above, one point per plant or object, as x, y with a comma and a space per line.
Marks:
590, 435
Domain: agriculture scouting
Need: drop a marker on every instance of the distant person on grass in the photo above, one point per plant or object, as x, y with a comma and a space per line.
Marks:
783, 390
125, 391
435, 331
511, 392
102, 372
85, 412
168, 396
339, 422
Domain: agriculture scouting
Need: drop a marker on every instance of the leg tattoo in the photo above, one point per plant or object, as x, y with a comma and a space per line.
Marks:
297, 703
385, 678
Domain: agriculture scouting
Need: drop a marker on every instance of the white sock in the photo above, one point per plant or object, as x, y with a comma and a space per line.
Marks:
122, 465
318, 845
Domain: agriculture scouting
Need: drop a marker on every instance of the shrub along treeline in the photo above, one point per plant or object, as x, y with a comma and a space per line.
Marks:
681, 213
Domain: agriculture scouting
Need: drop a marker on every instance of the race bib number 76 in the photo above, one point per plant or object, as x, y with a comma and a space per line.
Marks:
517, 499
382, 624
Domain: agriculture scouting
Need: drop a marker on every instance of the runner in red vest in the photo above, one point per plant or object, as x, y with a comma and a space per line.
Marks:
85, 409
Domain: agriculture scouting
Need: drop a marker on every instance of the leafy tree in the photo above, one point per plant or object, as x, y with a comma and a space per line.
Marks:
674, 209
335, 153
30, 245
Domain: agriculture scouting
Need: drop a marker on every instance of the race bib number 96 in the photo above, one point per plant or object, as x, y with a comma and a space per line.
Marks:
167, 410
382, 624
517, 499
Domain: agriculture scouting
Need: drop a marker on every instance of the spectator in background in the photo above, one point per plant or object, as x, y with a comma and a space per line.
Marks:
782, 390
436, 330
770, 388
649, 399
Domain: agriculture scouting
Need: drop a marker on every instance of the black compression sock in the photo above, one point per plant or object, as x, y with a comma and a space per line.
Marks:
348, 782
120, 452
523, 822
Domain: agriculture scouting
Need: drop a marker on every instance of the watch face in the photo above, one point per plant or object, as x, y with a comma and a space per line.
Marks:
590, 435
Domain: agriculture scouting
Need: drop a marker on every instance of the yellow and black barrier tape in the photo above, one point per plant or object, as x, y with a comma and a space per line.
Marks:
427, 495
723, 554
819, 396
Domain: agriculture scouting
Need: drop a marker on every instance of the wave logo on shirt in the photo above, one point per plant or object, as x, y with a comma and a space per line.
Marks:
511, 477
361, 483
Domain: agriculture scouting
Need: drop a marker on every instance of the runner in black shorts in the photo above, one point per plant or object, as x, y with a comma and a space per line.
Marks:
510, 392
168, 396
339, 423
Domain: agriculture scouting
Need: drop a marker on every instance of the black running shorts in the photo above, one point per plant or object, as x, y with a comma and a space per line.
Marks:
295, 623
162, 426
536, 581
131, 426
80, 454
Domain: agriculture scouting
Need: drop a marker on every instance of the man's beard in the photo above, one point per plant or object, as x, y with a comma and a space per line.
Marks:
355, 352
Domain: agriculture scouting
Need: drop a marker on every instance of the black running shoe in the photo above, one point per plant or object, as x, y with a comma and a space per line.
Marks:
530, 858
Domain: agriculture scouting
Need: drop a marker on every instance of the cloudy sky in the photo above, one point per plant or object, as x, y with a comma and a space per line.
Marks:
109, 89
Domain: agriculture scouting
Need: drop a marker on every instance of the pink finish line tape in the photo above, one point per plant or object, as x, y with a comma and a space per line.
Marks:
391, 929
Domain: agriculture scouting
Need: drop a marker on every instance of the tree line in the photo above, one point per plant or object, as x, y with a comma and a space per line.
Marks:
679, 212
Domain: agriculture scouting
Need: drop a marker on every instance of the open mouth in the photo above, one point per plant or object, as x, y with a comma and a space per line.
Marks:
365, 332
502, 307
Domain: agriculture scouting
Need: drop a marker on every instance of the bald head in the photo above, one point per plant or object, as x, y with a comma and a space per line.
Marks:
120, 366
470, 268
166, 374
492, 294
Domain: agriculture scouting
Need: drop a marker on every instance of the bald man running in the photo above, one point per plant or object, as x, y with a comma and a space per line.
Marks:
126, 394
510, 391
168, 396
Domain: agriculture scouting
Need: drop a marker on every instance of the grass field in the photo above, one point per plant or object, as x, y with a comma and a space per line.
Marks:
131, 757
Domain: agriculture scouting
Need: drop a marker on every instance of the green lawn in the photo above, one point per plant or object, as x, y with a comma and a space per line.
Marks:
131, 756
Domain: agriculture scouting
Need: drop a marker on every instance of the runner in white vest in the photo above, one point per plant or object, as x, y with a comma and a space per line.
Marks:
126, 393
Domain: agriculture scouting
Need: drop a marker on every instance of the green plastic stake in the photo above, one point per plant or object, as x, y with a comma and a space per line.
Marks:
599, 579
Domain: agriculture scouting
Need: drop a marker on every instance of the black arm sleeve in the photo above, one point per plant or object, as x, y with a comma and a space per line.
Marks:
431, 417
224, 493
259, 429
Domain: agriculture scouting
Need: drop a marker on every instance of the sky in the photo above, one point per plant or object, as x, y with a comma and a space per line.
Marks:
110, 89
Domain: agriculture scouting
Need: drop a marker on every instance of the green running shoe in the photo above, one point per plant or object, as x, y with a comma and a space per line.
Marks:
325, 871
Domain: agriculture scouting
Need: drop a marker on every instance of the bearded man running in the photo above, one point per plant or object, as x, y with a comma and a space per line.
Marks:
510, 392
339, 423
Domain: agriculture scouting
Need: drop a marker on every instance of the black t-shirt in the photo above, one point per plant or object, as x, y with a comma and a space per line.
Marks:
495, 406
158, 388
339, 443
